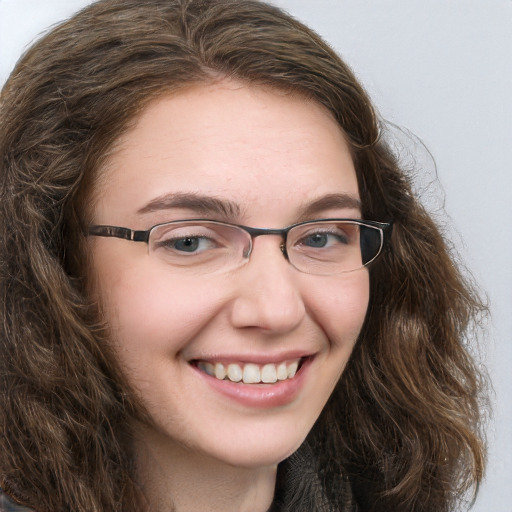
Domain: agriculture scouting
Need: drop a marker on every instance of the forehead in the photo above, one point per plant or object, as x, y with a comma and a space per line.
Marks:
252, 146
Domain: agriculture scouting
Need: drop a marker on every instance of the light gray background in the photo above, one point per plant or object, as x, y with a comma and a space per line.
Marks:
443, 70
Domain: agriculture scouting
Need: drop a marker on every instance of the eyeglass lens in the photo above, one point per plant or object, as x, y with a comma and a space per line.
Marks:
315, 248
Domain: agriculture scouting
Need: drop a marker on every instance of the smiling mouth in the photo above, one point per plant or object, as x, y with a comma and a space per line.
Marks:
251, 373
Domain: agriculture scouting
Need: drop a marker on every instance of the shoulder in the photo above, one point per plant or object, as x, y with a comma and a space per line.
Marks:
7, 505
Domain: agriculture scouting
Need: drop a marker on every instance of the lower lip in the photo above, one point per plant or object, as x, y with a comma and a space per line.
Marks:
260, 395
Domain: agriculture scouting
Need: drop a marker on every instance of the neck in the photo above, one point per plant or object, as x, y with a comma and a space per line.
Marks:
178, 479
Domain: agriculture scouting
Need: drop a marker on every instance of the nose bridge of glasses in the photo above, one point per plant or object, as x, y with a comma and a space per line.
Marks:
256, 232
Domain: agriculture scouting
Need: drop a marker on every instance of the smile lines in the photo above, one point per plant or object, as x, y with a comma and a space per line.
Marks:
250, 373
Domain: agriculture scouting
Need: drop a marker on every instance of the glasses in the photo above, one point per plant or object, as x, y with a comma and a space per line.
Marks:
320, 247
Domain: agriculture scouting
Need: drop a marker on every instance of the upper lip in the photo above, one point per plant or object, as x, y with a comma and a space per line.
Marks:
255, 358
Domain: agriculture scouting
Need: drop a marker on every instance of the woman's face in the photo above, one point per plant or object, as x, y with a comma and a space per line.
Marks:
266, 159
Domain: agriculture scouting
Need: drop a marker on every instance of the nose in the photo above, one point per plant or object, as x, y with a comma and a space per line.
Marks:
268, 295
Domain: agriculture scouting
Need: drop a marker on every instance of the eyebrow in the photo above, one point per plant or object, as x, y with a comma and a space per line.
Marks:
210, 205
203, 204
328, 202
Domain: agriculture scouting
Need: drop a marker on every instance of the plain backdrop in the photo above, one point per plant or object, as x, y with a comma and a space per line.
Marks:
441, 69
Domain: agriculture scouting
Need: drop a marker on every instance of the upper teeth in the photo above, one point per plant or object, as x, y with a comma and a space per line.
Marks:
250, 373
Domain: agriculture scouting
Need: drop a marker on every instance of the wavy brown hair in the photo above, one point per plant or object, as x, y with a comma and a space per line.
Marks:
402, 428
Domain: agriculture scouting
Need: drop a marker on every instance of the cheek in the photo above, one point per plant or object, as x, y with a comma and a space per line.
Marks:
340, 307
146, 308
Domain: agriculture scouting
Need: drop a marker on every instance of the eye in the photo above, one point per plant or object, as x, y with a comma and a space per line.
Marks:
323, 239
187, 240
189, 244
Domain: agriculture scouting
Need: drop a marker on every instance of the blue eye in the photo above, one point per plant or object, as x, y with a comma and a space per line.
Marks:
186, 244
321, 240
189, 244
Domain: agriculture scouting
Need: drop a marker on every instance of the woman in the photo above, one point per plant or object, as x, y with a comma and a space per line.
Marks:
219, 292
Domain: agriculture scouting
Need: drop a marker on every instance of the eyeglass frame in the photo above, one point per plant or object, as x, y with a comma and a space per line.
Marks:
134, 235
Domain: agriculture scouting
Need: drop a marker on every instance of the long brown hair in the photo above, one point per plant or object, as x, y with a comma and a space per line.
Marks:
402, 427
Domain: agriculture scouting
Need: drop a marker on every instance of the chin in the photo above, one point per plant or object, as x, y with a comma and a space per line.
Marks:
255, 453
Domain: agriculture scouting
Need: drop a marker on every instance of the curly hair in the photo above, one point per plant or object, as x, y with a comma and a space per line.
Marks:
403, 426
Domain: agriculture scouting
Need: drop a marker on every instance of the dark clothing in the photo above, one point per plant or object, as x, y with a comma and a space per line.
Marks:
6, 505
302, 487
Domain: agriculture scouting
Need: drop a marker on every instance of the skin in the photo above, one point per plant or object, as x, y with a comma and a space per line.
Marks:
271, 154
